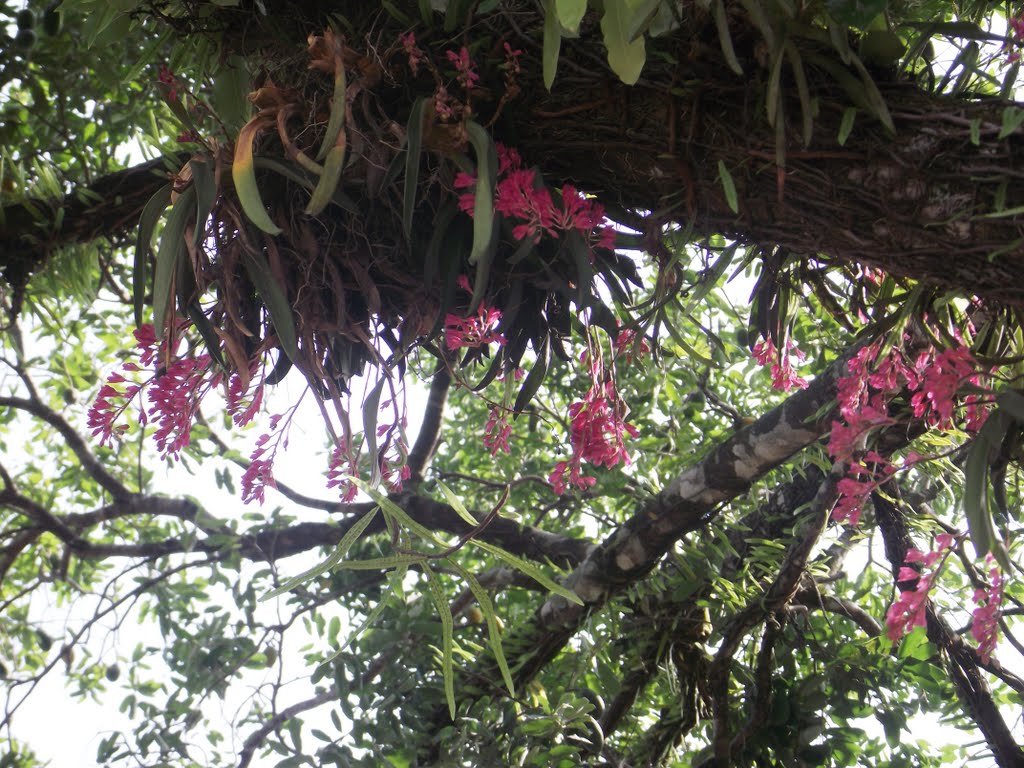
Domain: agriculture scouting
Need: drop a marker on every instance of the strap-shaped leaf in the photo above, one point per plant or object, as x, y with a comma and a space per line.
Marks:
624, 57
351, 536
552, 43
334, 135
976, 488
729, 187
725, 38
151, 214
530, 570
370, 407
485, 241
206, 193
243, 172
413, 150
275, 301
328, 182
206, 330
493, 629
170, 252
570, 14
444, 612
534, 378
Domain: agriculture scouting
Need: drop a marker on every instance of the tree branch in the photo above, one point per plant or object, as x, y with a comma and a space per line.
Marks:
74, 441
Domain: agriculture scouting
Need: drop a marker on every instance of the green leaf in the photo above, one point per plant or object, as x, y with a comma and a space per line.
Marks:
444, 611
328, 183
552, 43
624, 57
413, 148
275, 301
170, 252
344, 545
456, 503
530, 570
976, 486
484, 240
534, 378
370, 406
206, 194
334, 134
144, 246
728, 186
493, 629
570, 13
230, 93
846, 125
243, 172
725, 39
1012, 119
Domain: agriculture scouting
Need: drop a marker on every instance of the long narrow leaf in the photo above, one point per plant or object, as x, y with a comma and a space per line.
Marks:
493, 630
144, 246
530, 570
170, 252
413, 150
275, 301
552, 43
328, 183
206, 193
334, 135
444, 612
350, 538
243, 172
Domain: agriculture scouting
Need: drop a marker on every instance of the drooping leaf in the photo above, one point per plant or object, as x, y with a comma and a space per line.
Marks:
533, 380
243, 172
552, 43
276, 302
344, 545
444, 612
570, 13
328, 183
334, 134
206, 193
725, 38
728, 186
624, 57
144, 246
370, 408
169, 254
413, 149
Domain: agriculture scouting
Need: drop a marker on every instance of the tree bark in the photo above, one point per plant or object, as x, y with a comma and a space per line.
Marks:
923, 202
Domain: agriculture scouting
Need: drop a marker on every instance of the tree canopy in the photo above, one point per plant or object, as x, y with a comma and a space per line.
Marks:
533, 382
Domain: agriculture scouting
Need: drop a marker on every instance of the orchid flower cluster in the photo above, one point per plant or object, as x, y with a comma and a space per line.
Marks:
175, 390
520, 196
175, 386
597, 423
920, 573
934, 378
783, 373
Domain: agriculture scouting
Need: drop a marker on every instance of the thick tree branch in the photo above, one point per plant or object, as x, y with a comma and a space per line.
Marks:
430, 432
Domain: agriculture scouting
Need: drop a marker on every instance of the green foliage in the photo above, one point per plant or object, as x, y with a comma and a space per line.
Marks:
477, 617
